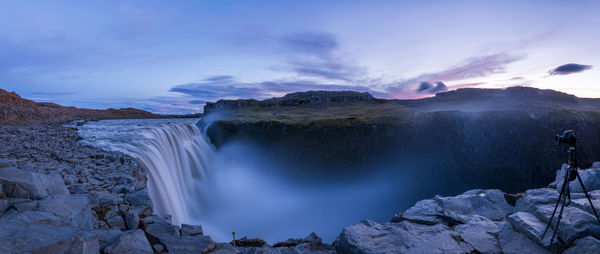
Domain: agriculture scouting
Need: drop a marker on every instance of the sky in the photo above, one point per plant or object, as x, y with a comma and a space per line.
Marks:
171, 57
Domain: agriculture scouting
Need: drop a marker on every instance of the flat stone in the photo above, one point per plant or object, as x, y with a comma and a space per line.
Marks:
44, 239
24, 184
189, 244
73, 208
512, 242
130, 242
160, 229
108, 199
586, 245
575, 222
402, 237
478, 233
487, 203
191, 230
530, 226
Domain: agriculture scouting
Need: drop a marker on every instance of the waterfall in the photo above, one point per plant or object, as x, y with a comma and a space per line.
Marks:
177, 157
176, 154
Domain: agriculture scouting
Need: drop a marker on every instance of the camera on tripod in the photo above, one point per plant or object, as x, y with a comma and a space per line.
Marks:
568, 137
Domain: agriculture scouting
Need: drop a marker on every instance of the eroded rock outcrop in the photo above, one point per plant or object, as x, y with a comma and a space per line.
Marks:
483, 221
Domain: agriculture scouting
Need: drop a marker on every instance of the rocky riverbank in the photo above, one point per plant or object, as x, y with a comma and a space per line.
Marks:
59, 196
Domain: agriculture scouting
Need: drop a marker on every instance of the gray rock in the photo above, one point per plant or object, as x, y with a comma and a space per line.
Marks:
130, 242
161, 230
6, 163
140, 200
487, 203
108, 199
43, 239
530, 226
512, 242
106, 236
590, 178
191, 230
403, 237
25, 184
158, 247
132, 220
72, 208
3, 205
426, 211
116, 222
586, 245
26, 206
189, 244
575, 222
478, 234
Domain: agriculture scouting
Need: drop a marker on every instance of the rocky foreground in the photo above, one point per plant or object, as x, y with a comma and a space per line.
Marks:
485, 221
58, 196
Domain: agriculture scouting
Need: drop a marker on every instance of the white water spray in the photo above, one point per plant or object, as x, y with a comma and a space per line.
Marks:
176, 154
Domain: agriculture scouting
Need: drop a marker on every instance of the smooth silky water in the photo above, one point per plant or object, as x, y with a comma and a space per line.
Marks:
239, 188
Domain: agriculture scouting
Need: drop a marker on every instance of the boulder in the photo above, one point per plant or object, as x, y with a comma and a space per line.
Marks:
72, 208
288, 243
530, 226
116, 222
250, 242
130, 242
513, 242
191, 230
44, 239
478, 234
402, 237
590, 178
189, 244
159, 228
457, 210
574, 224
132, 220
24, 184
139, 200
586, 245
108, 199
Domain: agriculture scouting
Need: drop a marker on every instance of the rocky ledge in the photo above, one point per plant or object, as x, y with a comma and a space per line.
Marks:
485, 221
59, 196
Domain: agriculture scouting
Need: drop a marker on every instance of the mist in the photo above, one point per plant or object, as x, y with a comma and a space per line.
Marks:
256, 196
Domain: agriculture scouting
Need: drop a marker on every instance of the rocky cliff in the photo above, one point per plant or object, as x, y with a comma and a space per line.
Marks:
486, 221
16, 110
469, 138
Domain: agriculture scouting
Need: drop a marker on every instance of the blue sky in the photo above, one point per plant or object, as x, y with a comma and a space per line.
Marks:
171, 57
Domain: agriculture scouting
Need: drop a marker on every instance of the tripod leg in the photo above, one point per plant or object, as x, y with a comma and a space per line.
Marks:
587, 196
560, 214
562, 191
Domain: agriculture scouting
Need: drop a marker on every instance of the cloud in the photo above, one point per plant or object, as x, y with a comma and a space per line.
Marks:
474, 67
424, 86
570, 68
314, 55
439, 87
322, 44
51, 93
213, 88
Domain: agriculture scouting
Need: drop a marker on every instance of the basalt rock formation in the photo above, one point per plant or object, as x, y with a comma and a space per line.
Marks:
508, 134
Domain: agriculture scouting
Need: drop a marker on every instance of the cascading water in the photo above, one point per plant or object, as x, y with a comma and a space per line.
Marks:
175, 152
241, 187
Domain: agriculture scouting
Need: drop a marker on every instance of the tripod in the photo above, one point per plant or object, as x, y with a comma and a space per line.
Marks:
564, 198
